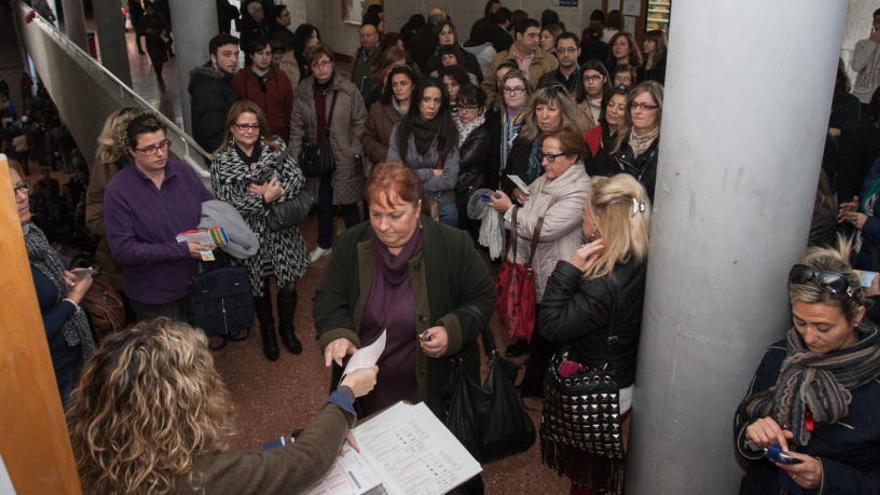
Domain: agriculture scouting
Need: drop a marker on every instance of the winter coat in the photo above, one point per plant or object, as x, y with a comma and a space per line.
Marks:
868, 257
561, 203
486, 30
460, 288
600, 318
212, 95
347, 128
475, 155
274, 97
849, 449
517, 163
360, 68
291, 468
859, 145
283, 250
542, 63
441, 186
599, 141
643, 168
380, 122
99, 176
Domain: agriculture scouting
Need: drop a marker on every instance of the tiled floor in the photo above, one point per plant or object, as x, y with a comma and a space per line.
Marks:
274, 398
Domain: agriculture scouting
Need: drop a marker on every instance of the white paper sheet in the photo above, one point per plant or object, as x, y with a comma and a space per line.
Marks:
350, 475
366, 357
413, 452
629, 24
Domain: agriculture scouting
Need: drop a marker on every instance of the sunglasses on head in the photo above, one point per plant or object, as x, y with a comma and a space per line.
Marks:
832, 282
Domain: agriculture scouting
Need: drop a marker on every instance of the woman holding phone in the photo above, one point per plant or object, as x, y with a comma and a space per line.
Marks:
59, 294
816, 393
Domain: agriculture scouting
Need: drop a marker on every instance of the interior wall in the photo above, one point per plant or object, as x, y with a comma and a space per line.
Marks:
857, 27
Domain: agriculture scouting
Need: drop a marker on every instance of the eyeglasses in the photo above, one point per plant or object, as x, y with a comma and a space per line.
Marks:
22, 186
467, 108
550, 157
247, 127
514, 91
832, 282
153, 149
594, 78
322, 63
642, 106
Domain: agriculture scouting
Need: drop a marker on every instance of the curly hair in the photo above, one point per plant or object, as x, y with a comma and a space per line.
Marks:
113, 137
148, 403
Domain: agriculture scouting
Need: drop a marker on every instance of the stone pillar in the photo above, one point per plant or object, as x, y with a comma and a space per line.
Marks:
745, 114
75, 22
194, 24
111, 38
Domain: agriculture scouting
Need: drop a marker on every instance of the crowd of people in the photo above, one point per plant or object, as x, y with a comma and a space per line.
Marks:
527, 144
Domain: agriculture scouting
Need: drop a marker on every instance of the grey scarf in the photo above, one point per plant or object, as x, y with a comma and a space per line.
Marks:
820, 383
76, 329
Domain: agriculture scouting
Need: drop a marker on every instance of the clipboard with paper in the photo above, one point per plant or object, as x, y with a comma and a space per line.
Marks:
405, 450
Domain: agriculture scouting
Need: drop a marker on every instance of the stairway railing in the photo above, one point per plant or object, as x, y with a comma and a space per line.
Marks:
85, 92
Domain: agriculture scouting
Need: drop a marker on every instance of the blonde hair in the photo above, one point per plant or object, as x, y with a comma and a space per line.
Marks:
623, 212
148, 403
830, 259
113, 138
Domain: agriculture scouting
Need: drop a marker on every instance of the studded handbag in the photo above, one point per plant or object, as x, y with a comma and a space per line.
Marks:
582, 407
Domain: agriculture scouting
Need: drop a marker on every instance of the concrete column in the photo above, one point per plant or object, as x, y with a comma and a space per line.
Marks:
111, 38
746, 108
75, 22
195, 23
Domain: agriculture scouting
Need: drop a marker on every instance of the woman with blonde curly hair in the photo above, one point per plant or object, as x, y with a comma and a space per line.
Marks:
152, 415
592, 306
110, 157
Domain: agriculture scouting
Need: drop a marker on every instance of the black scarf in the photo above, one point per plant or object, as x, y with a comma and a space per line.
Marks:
424, 133
255, 154
820, 383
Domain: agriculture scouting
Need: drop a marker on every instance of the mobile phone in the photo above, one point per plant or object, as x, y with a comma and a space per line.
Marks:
485, 198
775, 453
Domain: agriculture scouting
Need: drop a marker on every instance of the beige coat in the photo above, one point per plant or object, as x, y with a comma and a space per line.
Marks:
347, 127
99, 176
561, 203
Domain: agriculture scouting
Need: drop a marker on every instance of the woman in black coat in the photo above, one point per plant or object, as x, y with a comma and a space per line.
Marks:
637, 144
154, 27
592, 307
475, 151
816, 394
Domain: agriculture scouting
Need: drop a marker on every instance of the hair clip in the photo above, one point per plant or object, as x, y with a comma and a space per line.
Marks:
638, 207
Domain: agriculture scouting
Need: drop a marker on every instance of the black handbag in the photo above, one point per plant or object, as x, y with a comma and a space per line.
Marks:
221, 302
316, 159
581, 409
490, 420
290, 212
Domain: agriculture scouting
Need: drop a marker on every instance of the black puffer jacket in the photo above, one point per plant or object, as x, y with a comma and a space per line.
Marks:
583, 314
212, 94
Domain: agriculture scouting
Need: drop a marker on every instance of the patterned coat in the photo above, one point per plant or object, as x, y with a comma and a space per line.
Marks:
282, 253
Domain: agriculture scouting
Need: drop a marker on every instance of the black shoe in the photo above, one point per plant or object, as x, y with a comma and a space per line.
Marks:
286, 303
517, 349
263, 308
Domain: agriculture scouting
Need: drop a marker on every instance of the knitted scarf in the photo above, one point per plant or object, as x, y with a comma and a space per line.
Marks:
820, 383
76, 329
465, 130
641, 142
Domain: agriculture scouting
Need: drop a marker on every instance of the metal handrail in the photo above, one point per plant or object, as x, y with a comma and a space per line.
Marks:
196, 154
